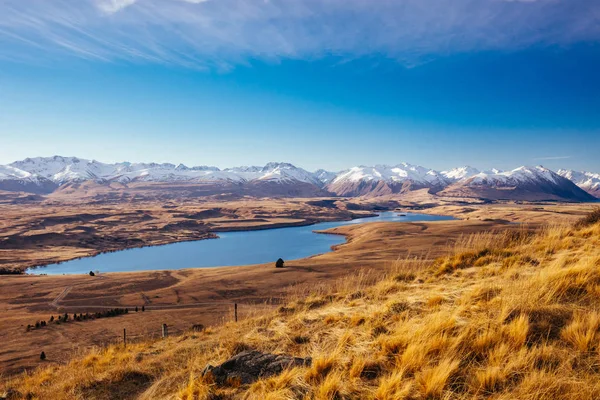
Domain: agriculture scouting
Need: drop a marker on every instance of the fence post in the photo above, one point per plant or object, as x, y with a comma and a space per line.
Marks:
235, 311
124, 337
165, 331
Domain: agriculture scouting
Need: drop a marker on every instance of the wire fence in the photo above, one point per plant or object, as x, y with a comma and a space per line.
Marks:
214, 314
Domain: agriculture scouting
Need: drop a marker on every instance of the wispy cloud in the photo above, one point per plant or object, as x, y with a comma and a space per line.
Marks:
207, 33
552, 158
112, 6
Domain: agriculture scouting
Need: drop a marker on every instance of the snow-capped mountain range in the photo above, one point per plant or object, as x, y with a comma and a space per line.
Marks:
523, 183
62, 170
588, 181
385, 179
45, 175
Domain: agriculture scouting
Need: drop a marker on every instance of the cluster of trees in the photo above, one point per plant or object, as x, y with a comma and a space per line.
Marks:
113, 312
7, 271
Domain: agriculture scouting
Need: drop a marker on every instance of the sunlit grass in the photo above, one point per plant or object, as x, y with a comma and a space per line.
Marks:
508, 315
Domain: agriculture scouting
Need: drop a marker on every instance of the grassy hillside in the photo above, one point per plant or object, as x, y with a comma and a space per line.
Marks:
506, 316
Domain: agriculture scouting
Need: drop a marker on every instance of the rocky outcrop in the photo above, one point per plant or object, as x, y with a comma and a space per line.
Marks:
249, 366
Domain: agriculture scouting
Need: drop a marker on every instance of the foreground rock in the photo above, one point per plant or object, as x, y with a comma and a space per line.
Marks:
249, 366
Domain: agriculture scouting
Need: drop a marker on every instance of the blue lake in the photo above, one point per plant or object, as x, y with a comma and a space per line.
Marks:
231, 249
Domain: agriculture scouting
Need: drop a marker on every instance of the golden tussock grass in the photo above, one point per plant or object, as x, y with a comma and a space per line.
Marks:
504, 316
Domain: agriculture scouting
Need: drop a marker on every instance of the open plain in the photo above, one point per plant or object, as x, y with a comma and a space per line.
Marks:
183, 298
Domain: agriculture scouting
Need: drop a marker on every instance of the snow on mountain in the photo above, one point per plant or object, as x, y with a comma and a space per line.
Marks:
523, 183
171, 173
286, 172
457, 174
16, 180
8, 172
514, 177
246, 169
325, 176
391, 174
588, 181
72, 169
384, 179
46, 174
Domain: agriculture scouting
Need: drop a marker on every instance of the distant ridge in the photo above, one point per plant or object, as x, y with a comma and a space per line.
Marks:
524, 183
588, 181
72, 175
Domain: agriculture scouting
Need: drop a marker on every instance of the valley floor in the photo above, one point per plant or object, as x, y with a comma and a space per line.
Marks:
187, 297
505, 314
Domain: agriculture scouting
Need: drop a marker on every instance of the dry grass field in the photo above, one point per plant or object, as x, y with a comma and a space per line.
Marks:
206, 296
505, 315
183, 298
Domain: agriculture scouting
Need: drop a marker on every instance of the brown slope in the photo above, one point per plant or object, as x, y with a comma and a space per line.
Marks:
376, 188
564, 190
26, 186
103, 191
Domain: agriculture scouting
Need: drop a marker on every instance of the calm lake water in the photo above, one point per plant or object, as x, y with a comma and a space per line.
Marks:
231, 249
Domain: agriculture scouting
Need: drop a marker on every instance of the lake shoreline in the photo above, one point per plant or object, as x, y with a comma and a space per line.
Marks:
211, 235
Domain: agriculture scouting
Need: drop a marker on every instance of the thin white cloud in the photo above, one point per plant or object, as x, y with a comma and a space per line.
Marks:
112, 6
221, 33
553, 158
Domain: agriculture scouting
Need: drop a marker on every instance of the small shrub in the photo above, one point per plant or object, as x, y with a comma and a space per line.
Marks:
544, 323
320, 368
301, 339
405, 277
398, 307
285, 310
366, 369
591, 219
356, 295
379, 330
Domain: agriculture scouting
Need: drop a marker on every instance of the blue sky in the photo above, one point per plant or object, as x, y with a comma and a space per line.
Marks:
332, 84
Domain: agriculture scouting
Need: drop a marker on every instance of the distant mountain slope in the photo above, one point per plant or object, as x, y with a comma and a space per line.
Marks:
456, 174
16, 180
588, 181
524, 183
72, 176
325, 177
274, 179
70, 169
383, 180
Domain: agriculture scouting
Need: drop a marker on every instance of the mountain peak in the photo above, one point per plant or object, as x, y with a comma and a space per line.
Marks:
380, 179
274, 165
459, 173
